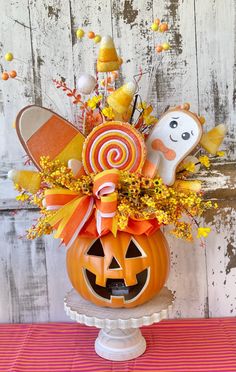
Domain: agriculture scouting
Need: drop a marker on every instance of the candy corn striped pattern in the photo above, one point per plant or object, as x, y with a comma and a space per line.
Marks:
44, 133
200, 345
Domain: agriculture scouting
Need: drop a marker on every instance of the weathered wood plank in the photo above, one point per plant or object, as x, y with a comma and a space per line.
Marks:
188, 278
216, 71
23, 263
58, 283
176, 78
216, 40
199, 69
175, 82
15, 38
51, 39
221, 260
33, 273
131, 21
89, 16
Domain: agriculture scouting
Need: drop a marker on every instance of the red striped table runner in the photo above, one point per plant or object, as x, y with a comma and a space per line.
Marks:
205, 345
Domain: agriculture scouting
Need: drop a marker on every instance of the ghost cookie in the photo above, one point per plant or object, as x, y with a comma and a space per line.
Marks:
175, 135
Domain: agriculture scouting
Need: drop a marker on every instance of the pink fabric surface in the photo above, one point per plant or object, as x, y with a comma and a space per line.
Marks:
205, 345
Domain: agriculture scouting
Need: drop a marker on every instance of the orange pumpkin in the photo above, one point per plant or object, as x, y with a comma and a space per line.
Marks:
125, 271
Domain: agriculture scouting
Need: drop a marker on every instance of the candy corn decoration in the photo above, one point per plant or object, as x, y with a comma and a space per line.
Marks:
121, 98
212, 140
76, 167
28, 180
44, 133
184, 185
108, 59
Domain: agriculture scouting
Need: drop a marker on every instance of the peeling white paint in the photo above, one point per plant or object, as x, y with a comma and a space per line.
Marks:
199, 69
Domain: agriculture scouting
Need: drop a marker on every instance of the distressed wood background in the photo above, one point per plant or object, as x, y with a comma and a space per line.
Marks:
200, 69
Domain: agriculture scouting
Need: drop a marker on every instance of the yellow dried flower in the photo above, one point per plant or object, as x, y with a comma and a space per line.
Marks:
142, 105
203, 232
150, 120
220, 153
92, 102
204, 160
190, 167
22, 197
108, 112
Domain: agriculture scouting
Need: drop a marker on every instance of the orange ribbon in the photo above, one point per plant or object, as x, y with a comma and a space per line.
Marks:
73, 210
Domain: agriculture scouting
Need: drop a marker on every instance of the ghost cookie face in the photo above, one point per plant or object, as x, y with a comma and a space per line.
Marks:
175, 135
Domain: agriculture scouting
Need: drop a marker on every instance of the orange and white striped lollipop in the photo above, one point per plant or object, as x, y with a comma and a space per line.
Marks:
113, 145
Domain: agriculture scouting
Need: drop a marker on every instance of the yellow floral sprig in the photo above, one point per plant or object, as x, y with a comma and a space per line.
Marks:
108, 112
146, 114
94, 101
204, 160
190, 167
203, 232
139, 198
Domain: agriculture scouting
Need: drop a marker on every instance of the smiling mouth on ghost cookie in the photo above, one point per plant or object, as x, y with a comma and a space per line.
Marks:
173, 140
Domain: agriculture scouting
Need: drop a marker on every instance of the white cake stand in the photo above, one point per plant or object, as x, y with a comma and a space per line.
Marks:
119, 338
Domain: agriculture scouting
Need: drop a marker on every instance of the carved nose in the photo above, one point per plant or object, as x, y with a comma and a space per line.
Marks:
114, 264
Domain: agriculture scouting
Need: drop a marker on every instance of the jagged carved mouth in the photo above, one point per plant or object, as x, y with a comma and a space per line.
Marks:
117, 287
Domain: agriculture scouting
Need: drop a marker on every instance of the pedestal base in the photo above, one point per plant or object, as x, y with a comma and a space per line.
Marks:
120, 344
120, 338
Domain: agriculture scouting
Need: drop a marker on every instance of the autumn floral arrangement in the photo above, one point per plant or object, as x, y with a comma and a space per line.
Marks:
121, 169
109, 181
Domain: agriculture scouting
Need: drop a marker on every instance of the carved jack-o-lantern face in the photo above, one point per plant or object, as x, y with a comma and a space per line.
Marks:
125, 271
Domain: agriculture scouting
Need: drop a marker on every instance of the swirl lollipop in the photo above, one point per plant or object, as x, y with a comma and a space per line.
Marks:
113, 145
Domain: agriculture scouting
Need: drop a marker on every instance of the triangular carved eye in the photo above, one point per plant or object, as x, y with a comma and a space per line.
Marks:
133, 251
96, 249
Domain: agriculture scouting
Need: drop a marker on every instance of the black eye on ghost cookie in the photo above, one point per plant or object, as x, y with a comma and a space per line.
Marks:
173, 124
185, 135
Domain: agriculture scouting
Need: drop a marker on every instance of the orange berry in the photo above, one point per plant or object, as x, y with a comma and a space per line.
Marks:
159, 48
5, 76
157, 21
91, 35
163, 27
13, 74
202, 119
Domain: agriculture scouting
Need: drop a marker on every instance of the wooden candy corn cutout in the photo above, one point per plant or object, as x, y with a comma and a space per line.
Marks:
27, 179
175, 135
212, 140
44, 133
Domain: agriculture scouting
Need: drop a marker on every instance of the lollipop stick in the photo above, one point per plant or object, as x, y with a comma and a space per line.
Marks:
105, 91
134, 107
84, 122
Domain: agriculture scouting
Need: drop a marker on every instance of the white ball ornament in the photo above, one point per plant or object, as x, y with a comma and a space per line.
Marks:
86, 83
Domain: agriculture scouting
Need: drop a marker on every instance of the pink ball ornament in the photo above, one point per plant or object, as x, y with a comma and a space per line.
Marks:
86, 83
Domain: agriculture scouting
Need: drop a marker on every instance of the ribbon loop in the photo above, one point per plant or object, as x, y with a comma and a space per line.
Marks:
74, 209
